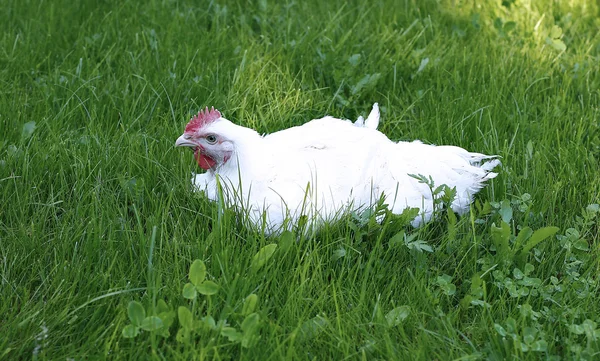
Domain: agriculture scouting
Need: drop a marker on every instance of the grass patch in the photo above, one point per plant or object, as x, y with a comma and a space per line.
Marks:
97, 220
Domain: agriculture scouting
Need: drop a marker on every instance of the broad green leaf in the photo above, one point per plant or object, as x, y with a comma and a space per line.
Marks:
249, 328
162, 306
286, 240
167, 317
263, 256
529, 334
511, 326
559, 45
354, 59
523, 292
539, 236
576, 329
572, 234
528, 269
189, 291
458, 31
151, 323
183, 335
367, 81
164, 332
232, 334
512, 290
529, 152
556, 32
397, 315
312, 328
530, 282
136, 313
581, 244
466, 301
517, 274
397, 239
339, 253
250, 322
186, 319
500, 237
506, 211
475, 293
445, 283
522, 237
197, 272
509, 26
210, 322
444, 279
589, 327
477, 284
419, 245
487, 208
208, 288
498, 23
449, 289
28, 129
526, 310
407, 216
249, 304
539, 346
593, 208
130, 331
480, 303
501, 331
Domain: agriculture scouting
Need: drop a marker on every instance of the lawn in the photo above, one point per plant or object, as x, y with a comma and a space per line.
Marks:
100, 229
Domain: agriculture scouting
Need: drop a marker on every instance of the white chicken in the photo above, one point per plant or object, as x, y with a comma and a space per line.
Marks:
324, 168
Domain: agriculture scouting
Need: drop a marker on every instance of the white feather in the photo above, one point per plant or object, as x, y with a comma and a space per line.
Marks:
372, 121
328, 166
360, 122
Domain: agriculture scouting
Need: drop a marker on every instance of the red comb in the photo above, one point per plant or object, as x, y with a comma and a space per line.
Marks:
201, 120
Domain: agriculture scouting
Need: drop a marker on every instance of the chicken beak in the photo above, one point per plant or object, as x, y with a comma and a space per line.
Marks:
184, 142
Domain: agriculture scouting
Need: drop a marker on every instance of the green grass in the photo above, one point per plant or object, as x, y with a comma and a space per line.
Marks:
111, 84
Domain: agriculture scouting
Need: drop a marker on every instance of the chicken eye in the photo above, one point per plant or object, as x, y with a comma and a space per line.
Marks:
211, 139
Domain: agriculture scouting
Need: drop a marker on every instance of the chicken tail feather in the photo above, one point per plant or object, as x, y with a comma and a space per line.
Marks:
372, 120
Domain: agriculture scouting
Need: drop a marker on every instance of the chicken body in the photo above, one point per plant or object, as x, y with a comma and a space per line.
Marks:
329, 166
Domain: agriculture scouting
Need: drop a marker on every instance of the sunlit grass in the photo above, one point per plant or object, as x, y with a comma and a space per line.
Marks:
93, 96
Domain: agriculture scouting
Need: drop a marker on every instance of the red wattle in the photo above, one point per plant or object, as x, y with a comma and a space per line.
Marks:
204, 161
